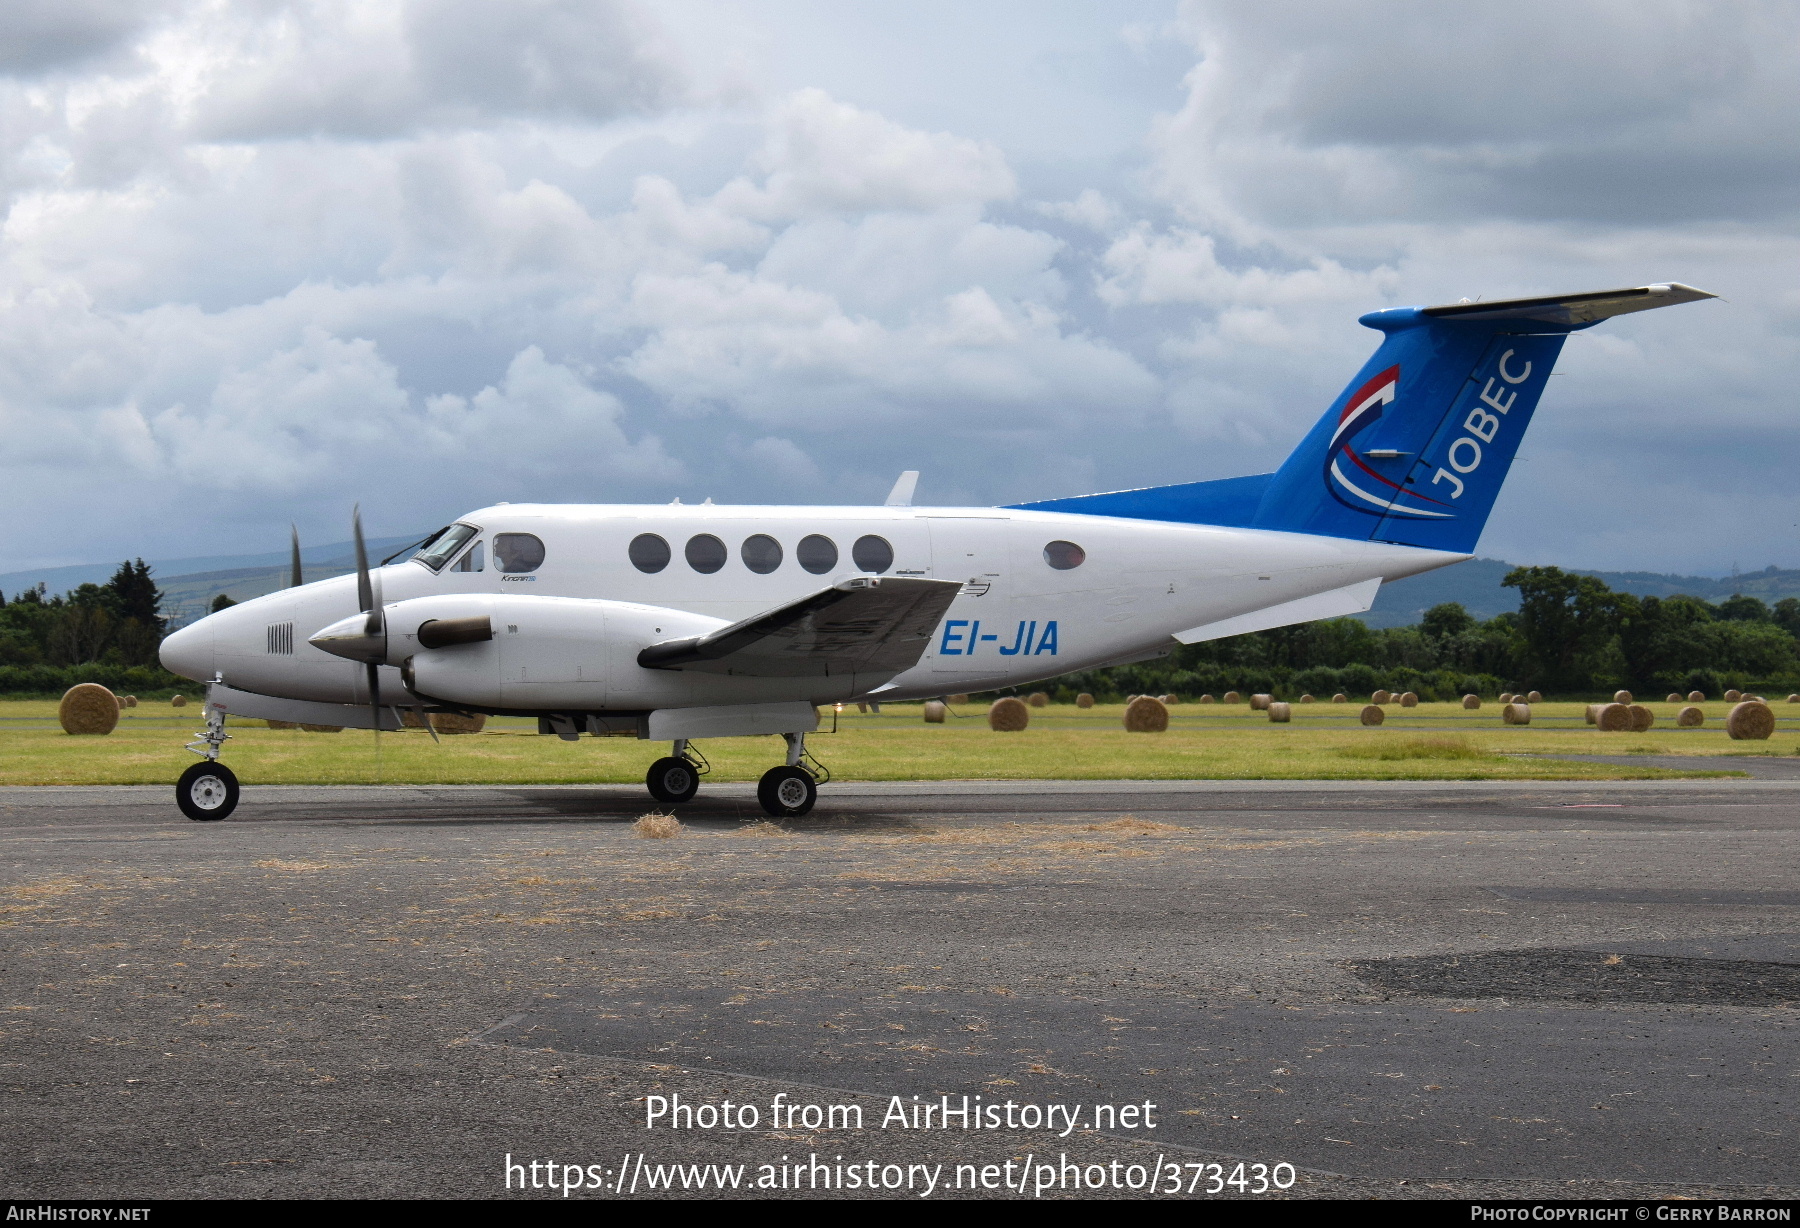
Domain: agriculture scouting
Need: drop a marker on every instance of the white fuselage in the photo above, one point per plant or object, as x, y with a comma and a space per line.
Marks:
1018, 619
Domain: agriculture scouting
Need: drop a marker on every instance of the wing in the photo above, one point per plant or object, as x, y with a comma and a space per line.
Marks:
864, 626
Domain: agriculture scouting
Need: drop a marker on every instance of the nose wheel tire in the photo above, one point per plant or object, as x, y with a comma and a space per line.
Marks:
207, 792
787, 792
672, 780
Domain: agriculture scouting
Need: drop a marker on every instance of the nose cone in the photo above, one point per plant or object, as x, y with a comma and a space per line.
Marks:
189, 651
354, 639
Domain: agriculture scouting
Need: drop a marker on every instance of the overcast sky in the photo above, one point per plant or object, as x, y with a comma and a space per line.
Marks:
262, 260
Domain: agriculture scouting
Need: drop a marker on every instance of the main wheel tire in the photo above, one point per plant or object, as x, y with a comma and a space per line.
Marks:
786, 792
672, 780
207, 792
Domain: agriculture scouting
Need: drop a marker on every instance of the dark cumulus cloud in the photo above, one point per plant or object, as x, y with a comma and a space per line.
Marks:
45, 36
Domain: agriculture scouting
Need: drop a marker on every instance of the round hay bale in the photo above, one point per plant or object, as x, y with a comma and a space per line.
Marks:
1373, 715
1674, 697
1641, 717
131, 701
1038, 699
1622, 697
1506, 697
1613, 718
120, 700
179, 701
88, 708
1281, 713
1593, 713
1733, 695
1084, 700
1750, 721
1382, 697
1260, 703
321, 728
1146, 715
1794, 699
1471, 702
1696, 697
1170, 699
284, 725
1232, 697
448, 723
958, 699
1008, 715
1409, 700
1206, 699
1516, 714
934, 712
1690, 717
1534, 698
1340, 698
1307, 699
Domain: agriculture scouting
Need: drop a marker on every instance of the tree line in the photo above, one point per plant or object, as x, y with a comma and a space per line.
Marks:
107, 633
1572, 635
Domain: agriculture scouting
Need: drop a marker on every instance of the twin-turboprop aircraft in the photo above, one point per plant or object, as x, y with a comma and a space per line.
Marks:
678, 623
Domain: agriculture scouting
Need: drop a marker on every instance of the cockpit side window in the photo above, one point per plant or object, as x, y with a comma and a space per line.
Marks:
445, 546
515, 553
473, 560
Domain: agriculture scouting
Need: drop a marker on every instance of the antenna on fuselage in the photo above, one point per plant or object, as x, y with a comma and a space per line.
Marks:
902, 494
295, 577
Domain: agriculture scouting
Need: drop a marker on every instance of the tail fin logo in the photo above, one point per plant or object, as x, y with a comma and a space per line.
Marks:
1351, 479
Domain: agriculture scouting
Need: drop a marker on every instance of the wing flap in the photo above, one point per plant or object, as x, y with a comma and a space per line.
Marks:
865, 625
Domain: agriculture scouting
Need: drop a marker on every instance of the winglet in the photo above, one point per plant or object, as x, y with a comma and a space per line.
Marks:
901, 495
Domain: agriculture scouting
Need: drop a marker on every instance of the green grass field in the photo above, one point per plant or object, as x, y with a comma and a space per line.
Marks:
1324, 742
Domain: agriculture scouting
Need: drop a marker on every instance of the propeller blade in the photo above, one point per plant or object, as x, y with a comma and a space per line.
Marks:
295, 576
365, 596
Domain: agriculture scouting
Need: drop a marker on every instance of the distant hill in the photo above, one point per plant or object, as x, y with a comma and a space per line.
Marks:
1476, 584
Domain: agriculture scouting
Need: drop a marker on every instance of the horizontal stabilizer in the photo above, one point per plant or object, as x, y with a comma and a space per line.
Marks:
1572, 310
861, 626
1351, 599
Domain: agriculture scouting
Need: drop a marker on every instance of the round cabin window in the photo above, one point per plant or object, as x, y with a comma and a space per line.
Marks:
816, 554
872, 553
649, 553
761, 553
517, 553
706, 553
1064, 556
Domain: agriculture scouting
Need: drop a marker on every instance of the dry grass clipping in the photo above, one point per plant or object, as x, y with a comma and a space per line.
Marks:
1516, 714
1690, 717
88, 708
1084, 700
1471, 702
1750, 721
762, 827
1132, 825
1372, 714
658, 827
1146, 715
1008, 715
935, 712
1641, 717
1613, 718
1281, 713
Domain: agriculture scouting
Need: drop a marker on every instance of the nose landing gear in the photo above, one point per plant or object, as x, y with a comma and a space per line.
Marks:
208, 791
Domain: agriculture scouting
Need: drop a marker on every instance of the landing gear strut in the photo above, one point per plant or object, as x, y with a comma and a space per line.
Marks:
790, 790
676, 776
208, 791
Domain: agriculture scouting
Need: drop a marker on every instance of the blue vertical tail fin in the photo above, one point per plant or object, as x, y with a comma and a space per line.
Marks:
1415, 449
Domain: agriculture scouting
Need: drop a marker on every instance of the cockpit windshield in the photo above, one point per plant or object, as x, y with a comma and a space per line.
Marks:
439, 550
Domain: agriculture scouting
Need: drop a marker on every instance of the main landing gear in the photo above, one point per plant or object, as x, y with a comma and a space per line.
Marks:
208, 791
784, 792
